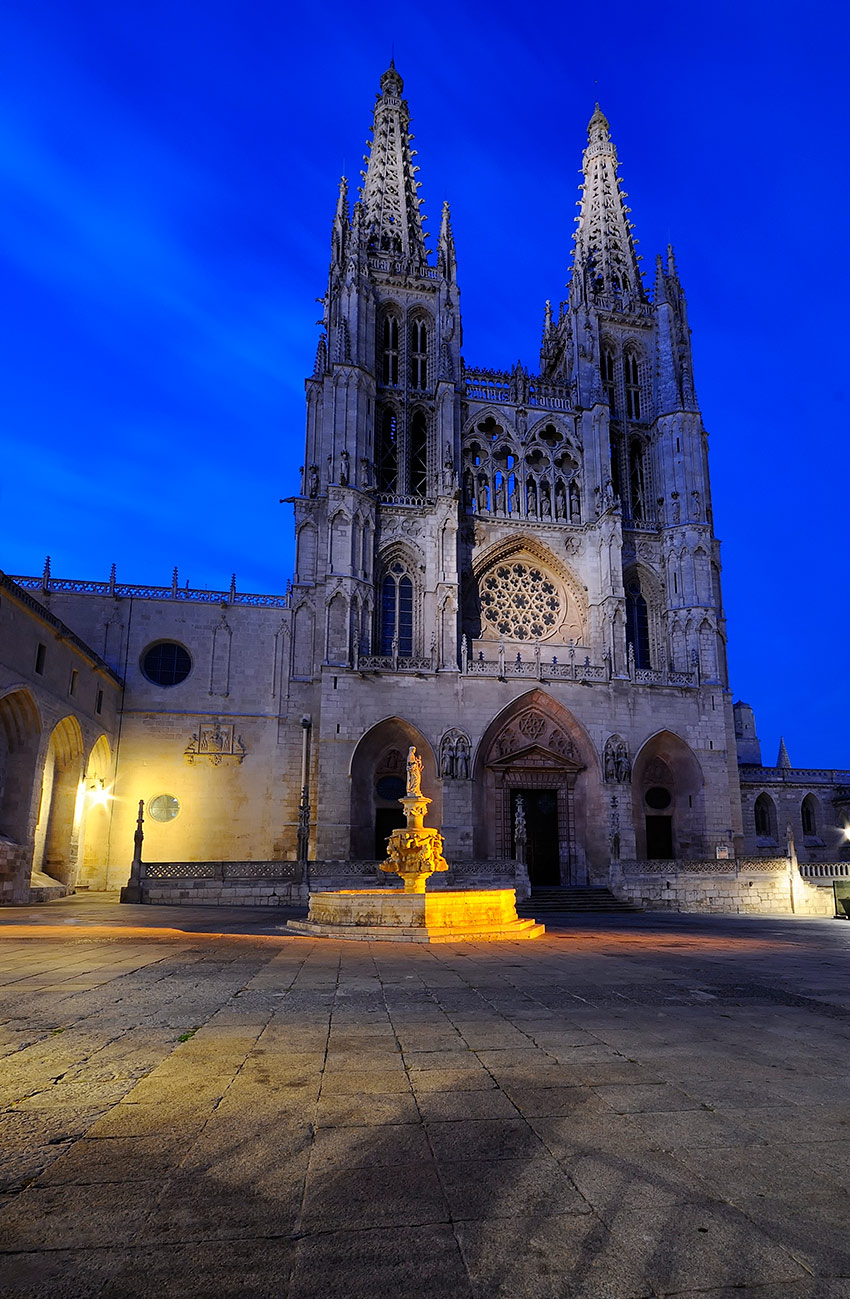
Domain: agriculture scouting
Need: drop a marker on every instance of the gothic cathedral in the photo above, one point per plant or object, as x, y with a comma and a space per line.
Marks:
515, 572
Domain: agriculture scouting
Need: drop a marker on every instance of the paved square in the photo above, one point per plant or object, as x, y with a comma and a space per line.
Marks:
193, 1104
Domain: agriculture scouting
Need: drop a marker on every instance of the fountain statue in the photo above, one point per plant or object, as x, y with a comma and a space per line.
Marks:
410, 914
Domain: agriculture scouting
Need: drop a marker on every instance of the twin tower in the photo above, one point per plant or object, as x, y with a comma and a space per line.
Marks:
470, 538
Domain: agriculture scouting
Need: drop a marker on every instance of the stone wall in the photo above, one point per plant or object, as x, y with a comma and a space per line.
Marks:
722, 887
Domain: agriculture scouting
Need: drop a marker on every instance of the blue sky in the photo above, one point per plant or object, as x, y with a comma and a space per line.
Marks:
169, 174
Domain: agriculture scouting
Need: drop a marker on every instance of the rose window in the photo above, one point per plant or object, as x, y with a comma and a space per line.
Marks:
521, 601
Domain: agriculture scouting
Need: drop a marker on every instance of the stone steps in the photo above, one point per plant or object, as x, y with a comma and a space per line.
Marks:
548, 901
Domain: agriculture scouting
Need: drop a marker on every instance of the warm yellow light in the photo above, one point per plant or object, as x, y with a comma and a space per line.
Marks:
99, 795
847, 831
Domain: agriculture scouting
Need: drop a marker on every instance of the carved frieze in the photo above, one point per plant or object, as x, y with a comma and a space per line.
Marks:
216, 742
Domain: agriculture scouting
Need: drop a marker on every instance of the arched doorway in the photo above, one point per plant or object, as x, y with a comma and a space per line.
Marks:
378, 781
667, 800
60, 811
536, 751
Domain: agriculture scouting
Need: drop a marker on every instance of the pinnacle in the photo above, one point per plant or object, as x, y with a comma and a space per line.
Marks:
782, 758
391, 82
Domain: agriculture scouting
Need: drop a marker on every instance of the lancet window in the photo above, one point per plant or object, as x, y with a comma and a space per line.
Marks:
637, 480
637, 623
609, 385
396, 629
418, 454
389, 352
765, 817
418, 377
386, 459
631, 373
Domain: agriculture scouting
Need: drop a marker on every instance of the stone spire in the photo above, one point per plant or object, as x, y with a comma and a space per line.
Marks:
391, 213
782, 759
339, 233
446, 260
605, 259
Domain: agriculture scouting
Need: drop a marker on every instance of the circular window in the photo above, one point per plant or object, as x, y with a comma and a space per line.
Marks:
164, 807
521, 601
658, 798
390, 787
166, 663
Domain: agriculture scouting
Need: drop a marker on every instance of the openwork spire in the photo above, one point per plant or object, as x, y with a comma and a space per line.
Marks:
391, 213
605, 259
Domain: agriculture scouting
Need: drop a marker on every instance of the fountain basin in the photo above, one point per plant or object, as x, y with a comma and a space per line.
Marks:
445, 916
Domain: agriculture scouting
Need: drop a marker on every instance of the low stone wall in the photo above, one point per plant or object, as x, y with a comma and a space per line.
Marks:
740, 886
14, 873
289, 883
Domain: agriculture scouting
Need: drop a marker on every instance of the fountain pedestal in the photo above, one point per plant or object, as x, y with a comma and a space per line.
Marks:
410, 914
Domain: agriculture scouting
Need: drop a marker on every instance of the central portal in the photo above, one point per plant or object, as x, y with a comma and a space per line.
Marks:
542, 840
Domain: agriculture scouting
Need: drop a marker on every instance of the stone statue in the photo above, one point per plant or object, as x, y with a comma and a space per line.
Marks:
414, 772
462, 771
344, 468
313, 482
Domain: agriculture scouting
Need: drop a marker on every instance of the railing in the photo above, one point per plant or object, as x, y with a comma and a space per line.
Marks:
391, 663
825, 870
514, 387
224, 871
48, 585
795, 775
393, 498
706, 866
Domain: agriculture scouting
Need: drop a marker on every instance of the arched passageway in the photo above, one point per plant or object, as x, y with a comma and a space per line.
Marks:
378, 781
20, 733
94, 830
61, 808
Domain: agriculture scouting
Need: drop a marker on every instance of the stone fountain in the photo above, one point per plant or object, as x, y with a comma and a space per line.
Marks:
410, 914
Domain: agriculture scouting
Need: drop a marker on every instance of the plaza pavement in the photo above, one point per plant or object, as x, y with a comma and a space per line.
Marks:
193, 1104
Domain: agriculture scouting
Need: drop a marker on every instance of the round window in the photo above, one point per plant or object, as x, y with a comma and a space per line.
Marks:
166, 663
658, 798
390, 787
164, 807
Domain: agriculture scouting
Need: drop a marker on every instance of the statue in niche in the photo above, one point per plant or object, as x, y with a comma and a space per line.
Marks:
500, 498
616, 765
482, 496
344, 468
513, 502
365, 473
414, 772
447, 765
462, 764
560, 502
313, 482
531, 501
696, 505
575, 504
608, 494
677, 509
546, 505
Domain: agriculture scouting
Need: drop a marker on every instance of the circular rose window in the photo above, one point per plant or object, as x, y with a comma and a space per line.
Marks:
521, 601
164, 807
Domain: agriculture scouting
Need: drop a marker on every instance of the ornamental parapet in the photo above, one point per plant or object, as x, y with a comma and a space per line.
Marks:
53, 585
705, 866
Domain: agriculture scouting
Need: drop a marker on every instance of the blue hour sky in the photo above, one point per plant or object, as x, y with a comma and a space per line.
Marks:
169, 173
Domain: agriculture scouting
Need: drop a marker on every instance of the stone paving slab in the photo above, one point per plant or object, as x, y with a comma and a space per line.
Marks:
194, 1104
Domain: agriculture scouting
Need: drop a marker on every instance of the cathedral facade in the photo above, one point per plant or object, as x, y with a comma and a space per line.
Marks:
515, 572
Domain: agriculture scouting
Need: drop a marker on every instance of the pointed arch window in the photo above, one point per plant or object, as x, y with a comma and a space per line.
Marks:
616, 473
765, 817
419, 354
637, 480
387, 458
418, 454
631, 371
808, 812
637, 624
397, 611
389, 352
608, 384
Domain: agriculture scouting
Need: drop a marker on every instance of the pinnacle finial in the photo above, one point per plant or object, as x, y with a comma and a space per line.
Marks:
782, 759
391, 82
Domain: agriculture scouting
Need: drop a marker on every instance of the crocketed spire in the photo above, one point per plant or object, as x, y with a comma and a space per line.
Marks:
605, 258
391, 213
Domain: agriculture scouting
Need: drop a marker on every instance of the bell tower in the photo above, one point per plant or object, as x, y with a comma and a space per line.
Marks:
376, 520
